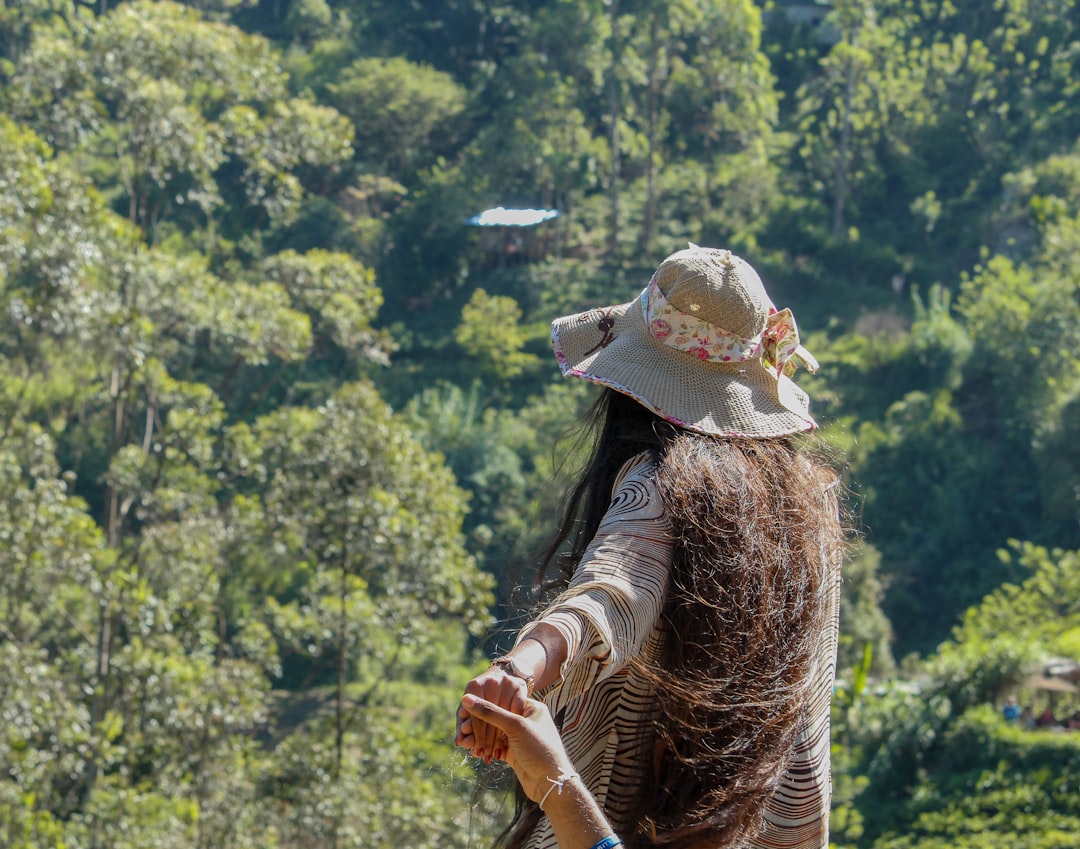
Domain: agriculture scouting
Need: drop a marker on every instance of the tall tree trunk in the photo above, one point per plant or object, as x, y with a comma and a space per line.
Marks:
116, 435
342, 666
843, 155
103, 649
648, 224
613, 130
340, 719
100, 700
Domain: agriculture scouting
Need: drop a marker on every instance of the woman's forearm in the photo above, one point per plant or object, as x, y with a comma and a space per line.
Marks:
576, 817
540, 655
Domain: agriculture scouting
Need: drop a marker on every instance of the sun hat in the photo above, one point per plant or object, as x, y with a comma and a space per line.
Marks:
703, 347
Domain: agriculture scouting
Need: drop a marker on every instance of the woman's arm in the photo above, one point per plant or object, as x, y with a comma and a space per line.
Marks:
601, 620
535, 752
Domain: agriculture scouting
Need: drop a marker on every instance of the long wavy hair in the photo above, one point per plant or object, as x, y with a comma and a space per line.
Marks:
757, 537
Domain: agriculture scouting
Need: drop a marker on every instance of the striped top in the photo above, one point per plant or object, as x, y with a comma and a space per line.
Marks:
609, 613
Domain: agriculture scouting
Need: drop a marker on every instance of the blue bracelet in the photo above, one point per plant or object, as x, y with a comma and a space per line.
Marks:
609, 842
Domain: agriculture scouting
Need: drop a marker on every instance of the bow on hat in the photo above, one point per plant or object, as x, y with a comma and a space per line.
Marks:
781, 352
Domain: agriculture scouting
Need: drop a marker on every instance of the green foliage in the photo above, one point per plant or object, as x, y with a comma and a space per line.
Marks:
479, 447
1043, 609
337, 294
159, 102
398, 108
940, 765
143, 627
943, 345
996, 782
358, 493
490, 332
864, 630
228, 567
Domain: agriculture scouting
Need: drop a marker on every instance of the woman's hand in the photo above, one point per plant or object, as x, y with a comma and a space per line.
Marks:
535, 751
533, 747
539, 657
498, 687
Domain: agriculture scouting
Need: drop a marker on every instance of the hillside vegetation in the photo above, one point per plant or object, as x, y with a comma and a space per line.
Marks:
276, 425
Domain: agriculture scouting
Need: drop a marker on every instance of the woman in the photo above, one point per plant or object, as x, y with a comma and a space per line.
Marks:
689, 661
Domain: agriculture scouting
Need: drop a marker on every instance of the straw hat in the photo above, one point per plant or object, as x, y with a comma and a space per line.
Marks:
702, 346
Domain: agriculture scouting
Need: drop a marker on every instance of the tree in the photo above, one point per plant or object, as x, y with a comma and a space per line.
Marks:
863, 626
944, 768
164, 101
338, 295
863, 107
489, 331
707, 96
17, 22
399, 109
377, 523
157, 654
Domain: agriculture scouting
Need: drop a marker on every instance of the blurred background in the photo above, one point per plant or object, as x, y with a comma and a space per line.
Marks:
277, 407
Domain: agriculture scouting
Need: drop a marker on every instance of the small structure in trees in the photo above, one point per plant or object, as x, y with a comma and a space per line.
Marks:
513, 235
810, 14
803, 11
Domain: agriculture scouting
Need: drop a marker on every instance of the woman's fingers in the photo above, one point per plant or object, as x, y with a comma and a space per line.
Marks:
485, 732
492, 714
511, 697
498, 720
499, 688
464, 736
473, 736
483, 735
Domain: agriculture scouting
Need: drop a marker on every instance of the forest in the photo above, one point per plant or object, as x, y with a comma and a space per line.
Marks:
281, 434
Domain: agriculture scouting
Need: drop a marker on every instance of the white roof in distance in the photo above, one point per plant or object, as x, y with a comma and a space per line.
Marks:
500, 216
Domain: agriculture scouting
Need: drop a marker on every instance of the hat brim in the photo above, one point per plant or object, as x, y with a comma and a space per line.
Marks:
720, 399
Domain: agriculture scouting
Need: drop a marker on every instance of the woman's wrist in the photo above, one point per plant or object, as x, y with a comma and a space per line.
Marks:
557, 785
516, 669
577, 819
542, 652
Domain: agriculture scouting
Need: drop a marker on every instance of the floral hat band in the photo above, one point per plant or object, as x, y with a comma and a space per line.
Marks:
777, 345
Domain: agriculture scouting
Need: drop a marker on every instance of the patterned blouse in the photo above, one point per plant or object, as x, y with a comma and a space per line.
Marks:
610, 612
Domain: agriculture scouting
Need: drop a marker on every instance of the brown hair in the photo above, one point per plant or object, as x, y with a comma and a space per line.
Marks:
757, 539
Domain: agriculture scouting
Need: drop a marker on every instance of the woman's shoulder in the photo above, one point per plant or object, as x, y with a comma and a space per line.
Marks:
641, 467
635, 496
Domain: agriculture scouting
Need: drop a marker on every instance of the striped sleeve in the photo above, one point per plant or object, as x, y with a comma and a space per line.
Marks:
615, 596
797, 814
